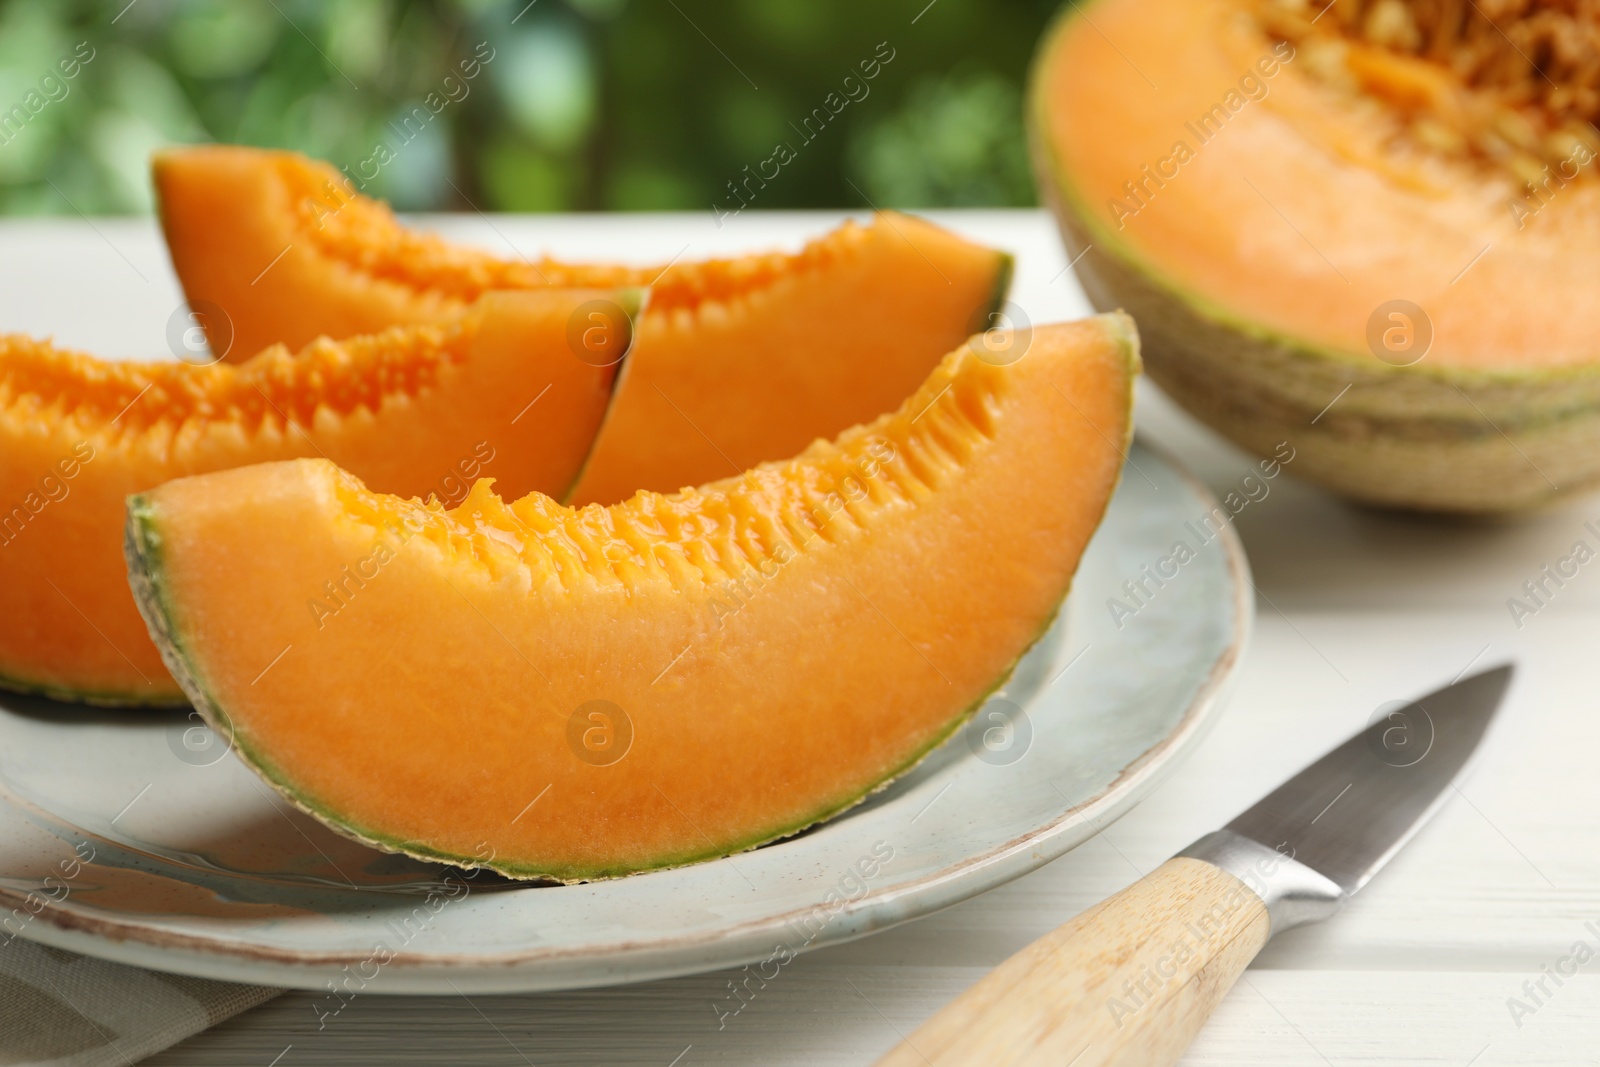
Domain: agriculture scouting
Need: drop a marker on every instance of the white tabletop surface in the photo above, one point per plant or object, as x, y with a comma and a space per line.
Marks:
1355, 608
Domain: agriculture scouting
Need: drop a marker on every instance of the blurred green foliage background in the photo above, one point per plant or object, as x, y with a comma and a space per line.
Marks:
579, 104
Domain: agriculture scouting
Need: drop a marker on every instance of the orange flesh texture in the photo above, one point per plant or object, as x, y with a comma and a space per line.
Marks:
781, 642
738, 362
733, 382
287, 248
1299, 216
415, 410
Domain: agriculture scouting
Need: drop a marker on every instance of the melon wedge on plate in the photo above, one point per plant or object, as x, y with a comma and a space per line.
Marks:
738, 361
587, 693
417, 410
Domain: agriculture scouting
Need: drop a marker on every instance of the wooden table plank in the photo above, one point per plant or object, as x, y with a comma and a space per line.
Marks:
821, 1014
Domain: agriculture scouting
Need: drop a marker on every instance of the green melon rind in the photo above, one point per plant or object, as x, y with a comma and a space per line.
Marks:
141, 546
100, 698
1425, 437
143, 549
999, 292
635, 301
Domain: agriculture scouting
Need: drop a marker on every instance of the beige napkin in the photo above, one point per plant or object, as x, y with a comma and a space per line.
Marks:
58, 1009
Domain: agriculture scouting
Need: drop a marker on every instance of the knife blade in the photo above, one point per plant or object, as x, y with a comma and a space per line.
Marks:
1132, 980
1349, 812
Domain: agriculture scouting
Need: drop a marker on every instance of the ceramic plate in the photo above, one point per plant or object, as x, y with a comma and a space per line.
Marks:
137, 837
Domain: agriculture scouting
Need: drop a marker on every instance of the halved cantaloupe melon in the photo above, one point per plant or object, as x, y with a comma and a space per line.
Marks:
737, 362
585, 693
1368, 228
415, 410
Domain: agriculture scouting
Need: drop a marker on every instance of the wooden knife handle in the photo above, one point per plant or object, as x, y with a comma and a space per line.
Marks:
1128, 982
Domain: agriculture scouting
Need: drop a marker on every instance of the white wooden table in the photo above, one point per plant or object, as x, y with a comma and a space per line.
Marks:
1355, 609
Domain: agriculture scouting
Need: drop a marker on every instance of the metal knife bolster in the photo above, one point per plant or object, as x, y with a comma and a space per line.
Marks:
1293, 893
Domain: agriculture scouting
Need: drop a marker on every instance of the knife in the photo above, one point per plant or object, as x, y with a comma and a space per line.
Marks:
1132, 980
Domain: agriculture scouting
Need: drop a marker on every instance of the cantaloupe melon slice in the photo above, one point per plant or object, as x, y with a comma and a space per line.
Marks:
737, 362
414, 410
1294, 201
586, 693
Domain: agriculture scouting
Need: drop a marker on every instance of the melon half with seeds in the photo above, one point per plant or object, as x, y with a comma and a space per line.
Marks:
416, 411
585, 693
1370, 228
738, 361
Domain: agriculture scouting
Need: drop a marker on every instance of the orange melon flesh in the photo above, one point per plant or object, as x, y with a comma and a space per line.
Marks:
738, 361
418, 410
777, 644
1299, 219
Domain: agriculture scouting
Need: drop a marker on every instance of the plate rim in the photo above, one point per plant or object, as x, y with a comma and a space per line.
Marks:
541, 968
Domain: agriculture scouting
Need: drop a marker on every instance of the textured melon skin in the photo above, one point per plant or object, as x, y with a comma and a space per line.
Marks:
163, 697
164, 604
1426, 437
